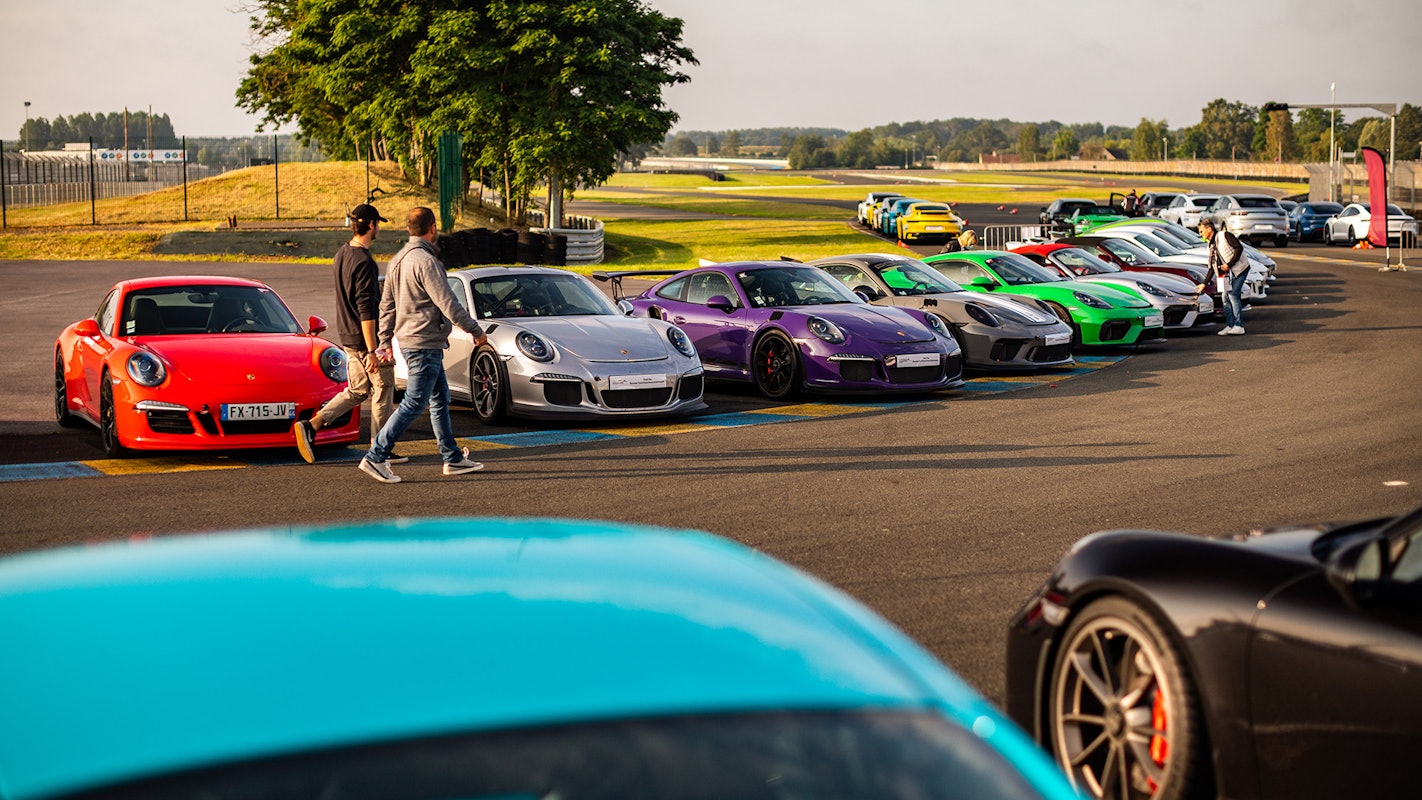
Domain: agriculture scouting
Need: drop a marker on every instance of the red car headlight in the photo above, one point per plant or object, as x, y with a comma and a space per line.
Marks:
145, 369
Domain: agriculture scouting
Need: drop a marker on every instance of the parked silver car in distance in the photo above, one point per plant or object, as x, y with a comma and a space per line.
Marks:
1252, 217
1186, 209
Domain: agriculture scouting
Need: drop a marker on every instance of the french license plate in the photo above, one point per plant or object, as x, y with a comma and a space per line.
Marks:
933, 227
1263, 226
636, 381
239, 412
917, 360
1154, 320
1058, 338
1206, 305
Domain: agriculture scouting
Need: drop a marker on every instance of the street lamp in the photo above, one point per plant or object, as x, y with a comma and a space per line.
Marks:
1332, 102
27, 126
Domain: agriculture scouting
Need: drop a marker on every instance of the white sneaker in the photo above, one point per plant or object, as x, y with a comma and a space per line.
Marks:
378, 470
1237, 330
463, 465
1225, 331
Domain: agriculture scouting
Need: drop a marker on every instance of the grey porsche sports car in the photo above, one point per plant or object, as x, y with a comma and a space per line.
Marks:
995, 332
559, 349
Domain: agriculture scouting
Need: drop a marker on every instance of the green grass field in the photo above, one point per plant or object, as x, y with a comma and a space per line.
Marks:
737, 224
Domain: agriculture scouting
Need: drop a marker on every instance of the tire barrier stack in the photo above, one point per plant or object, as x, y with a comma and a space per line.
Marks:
479, 246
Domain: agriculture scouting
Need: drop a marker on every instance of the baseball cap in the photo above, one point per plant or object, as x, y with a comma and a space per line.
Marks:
366, 212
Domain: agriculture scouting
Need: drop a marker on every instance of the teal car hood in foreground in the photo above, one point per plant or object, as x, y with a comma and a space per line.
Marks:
125, 661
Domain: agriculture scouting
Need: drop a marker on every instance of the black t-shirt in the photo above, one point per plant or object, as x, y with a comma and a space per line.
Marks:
357, 293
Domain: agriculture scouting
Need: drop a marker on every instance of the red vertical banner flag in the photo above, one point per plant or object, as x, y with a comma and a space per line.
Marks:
1377, 196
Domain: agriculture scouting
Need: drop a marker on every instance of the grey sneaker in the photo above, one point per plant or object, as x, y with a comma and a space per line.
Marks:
463, 465
378, 470
304, 439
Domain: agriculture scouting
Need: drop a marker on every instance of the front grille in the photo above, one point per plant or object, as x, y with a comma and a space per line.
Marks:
1114, 329
563, 393
915, 374
1052, 352
170, 422
858, 371
1006, 349
255, 427
1176, 316
636, 398
691, 387
1152, 335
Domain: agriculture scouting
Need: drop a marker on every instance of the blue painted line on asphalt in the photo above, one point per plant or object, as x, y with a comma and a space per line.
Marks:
545, 438
36, 472
975, 386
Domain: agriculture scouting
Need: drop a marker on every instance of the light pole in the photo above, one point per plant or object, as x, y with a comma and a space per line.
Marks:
1165, 148
27, 126
1332, 102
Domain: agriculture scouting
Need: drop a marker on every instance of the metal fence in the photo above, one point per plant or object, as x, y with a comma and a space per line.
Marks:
1006, 237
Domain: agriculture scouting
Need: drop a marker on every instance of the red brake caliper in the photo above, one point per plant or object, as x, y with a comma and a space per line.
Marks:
1159, 747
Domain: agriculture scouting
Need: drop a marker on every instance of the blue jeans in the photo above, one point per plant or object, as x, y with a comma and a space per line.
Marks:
1233, 305
424, 386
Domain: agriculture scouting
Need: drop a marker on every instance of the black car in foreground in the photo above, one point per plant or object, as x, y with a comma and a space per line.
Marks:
1275, 664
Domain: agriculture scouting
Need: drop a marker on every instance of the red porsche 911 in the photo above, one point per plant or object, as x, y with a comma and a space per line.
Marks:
196, 363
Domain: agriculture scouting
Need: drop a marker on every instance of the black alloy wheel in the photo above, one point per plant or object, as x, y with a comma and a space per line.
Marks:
108, 420
488, 386
775, 366
1123, 715
61, 397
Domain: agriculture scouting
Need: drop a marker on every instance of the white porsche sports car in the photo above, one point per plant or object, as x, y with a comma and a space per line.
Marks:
559, 349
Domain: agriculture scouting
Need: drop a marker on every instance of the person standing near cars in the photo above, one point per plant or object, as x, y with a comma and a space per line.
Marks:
1228, 261
357, 315
418, 307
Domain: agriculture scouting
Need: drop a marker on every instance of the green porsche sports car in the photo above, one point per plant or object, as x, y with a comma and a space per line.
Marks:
1098, 315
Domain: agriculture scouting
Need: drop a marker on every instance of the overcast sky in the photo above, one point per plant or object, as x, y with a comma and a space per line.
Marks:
846, 64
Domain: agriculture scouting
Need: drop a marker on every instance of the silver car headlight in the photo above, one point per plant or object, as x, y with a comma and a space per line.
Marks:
936, 325
533, 346
333, 364
681, 341
981, 315
146, 369
824, 329
1151, 290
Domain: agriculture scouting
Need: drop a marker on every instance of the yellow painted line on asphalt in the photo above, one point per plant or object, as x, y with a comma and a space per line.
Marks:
815, 410
140, 466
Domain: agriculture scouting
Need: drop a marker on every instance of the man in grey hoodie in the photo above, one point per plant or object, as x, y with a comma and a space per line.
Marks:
418, 307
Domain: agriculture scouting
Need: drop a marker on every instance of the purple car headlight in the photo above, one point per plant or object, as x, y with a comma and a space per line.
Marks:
824, 329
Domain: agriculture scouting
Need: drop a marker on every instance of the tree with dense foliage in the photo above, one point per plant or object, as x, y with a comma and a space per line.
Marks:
1279, 144
730, 145
1064, 144
1227, 129
540, 91
106, 129
1028, 142
683, 145
1148, 141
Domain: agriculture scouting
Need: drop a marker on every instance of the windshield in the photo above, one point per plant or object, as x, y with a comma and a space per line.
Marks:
911, 278
200, 308
1155, 244
538, 295
1080, 262
1258, 202
1204, 200
1394, 211
1094, 211
884, 755
1129, 252
773, 287
1172, 236
1322, 208
1017, 270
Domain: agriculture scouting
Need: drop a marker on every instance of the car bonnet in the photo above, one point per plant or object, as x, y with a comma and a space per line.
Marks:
238, 358
603, 338
135, 659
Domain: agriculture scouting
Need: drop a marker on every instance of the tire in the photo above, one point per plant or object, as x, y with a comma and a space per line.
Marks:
1123, 715
1352, 237
108, 420
489, 386
1327, 236
61, 398
775, 366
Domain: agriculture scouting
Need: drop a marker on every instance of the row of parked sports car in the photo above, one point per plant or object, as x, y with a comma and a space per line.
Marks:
183, 363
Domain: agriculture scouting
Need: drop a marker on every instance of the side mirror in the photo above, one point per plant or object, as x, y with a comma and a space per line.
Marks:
983, 281
1356, 572
721, 303
627, 309
88, 329
869, 293
315, 324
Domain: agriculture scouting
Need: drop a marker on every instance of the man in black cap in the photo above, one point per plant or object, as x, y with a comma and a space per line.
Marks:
357, 317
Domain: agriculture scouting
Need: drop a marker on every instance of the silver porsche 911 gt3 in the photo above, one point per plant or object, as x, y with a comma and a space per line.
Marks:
559, 349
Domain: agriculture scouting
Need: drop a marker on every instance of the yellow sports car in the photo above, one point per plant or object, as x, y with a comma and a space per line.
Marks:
925, 221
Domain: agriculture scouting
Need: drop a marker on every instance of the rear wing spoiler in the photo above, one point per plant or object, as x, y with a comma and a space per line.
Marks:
615, 278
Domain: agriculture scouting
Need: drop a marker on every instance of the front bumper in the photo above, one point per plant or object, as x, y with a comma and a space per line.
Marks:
169, 420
